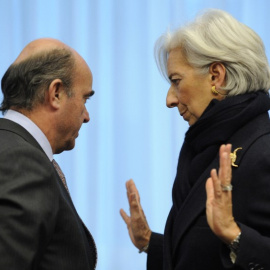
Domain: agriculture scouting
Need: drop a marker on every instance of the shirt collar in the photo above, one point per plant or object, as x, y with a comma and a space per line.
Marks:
32, 128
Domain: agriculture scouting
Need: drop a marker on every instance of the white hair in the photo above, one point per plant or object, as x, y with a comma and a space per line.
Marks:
216, 36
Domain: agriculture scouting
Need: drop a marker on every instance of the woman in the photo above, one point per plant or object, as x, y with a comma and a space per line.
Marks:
219, 78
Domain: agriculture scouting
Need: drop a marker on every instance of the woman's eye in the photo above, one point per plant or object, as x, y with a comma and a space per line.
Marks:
175, 81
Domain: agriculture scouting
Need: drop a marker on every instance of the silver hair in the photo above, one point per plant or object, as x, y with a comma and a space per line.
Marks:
215, 36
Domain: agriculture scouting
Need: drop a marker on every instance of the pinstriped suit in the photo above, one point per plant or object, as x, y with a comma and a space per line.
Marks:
39, 226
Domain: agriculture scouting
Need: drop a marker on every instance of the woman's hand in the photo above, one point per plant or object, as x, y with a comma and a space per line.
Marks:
137, 225
219, 199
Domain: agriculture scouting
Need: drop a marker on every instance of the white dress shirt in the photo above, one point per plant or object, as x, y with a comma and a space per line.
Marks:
33, 129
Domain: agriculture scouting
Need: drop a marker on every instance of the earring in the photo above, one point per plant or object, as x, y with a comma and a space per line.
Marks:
214, 91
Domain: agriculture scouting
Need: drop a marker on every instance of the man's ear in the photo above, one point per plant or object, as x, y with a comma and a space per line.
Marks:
55, 93
218, 74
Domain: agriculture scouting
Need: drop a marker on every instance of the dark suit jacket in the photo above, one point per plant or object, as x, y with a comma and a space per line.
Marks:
196, 247
39, 226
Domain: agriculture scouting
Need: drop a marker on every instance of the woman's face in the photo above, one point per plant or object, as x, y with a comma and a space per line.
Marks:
190, 92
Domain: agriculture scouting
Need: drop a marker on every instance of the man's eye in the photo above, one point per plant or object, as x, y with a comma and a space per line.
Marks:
86, 99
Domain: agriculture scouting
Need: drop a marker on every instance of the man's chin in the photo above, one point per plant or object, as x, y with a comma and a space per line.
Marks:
69, 146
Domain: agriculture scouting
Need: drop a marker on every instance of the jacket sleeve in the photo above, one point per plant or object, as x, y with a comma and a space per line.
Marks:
155, 252
251, 208
28, 206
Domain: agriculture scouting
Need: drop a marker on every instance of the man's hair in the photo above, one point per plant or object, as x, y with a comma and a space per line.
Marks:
25, 83
216, 36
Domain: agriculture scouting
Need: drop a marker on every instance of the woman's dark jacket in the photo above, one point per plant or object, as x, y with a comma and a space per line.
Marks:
188, 242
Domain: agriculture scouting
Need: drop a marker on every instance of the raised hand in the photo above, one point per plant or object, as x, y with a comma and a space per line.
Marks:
219, 199
137, 225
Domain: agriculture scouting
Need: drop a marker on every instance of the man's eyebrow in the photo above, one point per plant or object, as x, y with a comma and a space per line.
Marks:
91, 93
88, 95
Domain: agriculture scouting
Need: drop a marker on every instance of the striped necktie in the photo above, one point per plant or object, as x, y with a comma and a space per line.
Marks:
60, 173
93, 248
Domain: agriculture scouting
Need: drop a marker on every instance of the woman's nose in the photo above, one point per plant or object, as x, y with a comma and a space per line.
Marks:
172, 99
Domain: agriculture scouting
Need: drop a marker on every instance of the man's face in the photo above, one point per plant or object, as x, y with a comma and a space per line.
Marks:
73, 111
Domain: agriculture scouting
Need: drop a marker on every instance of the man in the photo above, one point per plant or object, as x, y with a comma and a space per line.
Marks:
44, 96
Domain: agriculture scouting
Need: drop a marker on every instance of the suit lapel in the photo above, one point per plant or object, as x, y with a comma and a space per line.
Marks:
193, 206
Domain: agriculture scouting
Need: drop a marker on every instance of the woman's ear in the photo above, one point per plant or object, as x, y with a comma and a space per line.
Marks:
55, 93
218, 74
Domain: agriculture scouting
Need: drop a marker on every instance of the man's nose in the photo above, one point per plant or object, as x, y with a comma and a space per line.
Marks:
86, 117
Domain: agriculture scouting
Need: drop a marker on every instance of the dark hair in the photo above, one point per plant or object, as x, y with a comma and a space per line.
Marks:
24, 84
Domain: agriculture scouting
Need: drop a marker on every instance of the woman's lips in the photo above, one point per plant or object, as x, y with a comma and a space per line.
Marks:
182, 113
185, 115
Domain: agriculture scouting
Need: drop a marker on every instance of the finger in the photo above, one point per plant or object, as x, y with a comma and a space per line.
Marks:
222, 152
225, 176
209, 199
209, 189
222, 149
216, 184
225, 167
229, 148
131, 188
229, 164
134, 206
128, 184
209, 195
125, 217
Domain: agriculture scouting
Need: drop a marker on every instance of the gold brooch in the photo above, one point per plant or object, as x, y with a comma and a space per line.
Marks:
233, 156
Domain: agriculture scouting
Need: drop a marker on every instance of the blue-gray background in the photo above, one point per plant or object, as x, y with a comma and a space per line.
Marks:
131, 133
